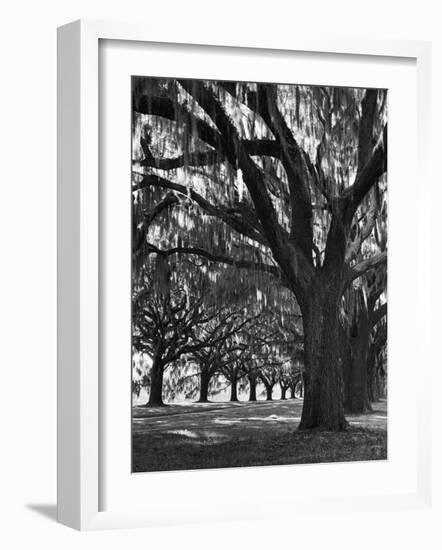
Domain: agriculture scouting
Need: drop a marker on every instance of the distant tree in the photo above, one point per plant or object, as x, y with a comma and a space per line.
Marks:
252, 372
269, 376
224, 331
290, 377
171, 320
283, 384
266, 337
208, 361
233, 373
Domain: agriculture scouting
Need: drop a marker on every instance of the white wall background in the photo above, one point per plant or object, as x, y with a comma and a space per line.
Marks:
28, 270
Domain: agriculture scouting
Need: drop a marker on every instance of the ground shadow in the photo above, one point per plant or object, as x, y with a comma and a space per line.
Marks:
48, 511
250, 434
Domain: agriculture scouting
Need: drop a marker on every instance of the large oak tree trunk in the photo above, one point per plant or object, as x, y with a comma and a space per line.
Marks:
156, 384
234, 390
359, 361
252, 388
356, 370
371, 375
204, 388
323, 396
357, 399
283, 392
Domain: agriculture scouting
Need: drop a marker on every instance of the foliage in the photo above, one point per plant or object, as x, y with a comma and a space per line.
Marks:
256, 200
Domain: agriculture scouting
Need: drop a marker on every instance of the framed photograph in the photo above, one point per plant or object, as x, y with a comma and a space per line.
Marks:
229, 216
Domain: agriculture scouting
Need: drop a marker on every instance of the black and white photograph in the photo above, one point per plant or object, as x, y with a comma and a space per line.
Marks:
259, 274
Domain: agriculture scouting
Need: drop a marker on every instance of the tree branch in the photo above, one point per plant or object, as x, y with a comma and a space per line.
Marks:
365, 141
368, 176
219, 258
253, 178
197, 158
140, 232
262, 147
380, 312
235, 220
362, 233
298, 175
172, 110
364, 266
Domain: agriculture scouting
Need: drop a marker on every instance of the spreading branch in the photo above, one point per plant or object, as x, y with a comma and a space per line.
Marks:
219, 258
373, 169
140, 231
247, 227
294, 162
366, 265
378, 314
290, 260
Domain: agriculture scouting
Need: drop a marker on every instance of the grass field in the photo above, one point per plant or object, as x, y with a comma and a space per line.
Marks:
224, 435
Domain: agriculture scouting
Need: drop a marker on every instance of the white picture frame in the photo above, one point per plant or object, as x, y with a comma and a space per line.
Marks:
79, 273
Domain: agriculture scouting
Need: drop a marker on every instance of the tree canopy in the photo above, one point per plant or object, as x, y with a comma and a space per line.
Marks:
269, 199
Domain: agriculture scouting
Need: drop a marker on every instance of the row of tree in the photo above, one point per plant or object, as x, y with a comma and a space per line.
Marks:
189, 345
179, 322
259, 237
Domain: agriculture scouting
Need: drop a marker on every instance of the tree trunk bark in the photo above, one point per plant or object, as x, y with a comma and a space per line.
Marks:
301, 388
234, 390
283, 393
380, 383
204, 386
269, 390
292, 392
371, 376
323, 395
156, 384
252, 391
356, 367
